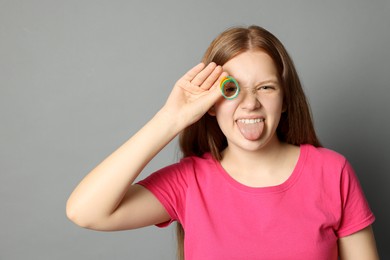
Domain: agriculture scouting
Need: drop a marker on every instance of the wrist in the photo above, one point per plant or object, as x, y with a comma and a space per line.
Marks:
170, 119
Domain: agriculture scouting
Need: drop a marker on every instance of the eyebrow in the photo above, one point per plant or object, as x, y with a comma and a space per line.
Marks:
273, 81
265, 82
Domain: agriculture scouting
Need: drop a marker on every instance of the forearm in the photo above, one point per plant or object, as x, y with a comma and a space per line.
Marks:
101, 191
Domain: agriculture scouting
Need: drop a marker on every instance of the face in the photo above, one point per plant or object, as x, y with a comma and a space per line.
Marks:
249, 121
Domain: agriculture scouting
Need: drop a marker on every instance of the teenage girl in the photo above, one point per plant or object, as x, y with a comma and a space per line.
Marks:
254, 181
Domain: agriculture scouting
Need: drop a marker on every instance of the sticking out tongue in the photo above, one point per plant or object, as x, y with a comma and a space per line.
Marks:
251, 131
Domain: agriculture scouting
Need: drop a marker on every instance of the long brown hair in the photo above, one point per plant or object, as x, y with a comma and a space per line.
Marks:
295, 126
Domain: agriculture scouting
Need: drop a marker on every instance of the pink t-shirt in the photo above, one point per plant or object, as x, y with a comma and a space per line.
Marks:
301, 218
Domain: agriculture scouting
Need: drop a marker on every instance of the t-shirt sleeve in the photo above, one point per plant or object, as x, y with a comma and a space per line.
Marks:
169, 185
356, 213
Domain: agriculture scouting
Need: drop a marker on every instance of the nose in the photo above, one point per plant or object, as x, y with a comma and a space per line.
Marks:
249, 100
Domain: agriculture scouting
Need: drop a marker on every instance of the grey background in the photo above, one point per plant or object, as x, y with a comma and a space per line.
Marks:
78, 78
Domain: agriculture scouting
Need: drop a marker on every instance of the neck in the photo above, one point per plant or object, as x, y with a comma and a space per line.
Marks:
265, 158
274, 146
269, 166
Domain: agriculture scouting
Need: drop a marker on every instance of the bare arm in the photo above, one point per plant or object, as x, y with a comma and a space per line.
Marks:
358, 246
106, 199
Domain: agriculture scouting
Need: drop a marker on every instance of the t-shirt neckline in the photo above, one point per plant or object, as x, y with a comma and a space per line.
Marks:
291, 180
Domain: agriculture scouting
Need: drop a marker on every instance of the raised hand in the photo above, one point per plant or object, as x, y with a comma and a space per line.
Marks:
195, 93
127, 206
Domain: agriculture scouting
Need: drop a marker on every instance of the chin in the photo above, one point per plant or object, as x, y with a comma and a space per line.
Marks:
258, 144
249, 145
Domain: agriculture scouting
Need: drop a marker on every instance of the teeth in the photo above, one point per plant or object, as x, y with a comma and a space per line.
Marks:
251, 121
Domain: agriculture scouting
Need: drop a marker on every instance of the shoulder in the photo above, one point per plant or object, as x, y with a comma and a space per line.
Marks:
324, 156
199, 166
330, 179
186, 167
206, 159
326, 164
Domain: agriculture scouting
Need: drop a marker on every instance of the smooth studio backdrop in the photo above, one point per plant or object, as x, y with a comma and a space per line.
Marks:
78, 78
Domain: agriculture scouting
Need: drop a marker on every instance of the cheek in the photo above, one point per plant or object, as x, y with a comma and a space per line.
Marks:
224, 112
274, 105
224, 108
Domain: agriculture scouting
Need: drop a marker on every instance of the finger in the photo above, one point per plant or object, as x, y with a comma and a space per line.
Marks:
213, 77
210, 80
215, 92
193, 72
202, 76
217, 83
215, 89
223, 75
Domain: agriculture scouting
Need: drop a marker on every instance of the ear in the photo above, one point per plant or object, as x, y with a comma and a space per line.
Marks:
211, 111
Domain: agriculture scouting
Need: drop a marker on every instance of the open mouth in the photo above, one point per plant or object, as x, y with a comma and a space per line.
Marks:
251, 121
251, 129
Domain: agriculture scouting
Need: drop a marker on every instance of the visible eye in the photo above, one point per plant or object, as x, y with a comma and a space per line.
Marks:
265, 88
229, 89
